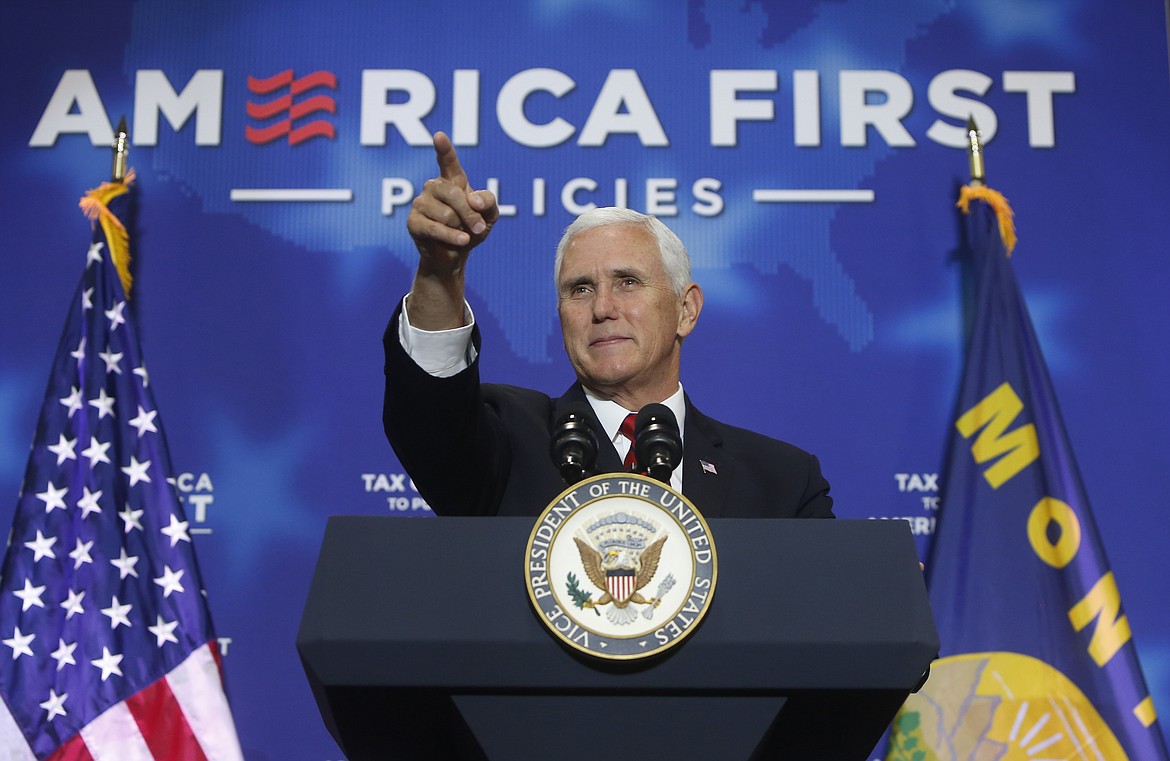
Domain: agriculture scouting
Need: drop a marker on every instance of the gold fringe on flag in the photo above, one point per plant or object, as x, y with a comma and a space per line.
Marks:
95, 206
999, 204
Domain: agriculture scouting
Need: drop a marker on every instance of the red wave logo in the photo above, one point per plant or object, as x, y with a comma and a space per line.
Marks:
289, 106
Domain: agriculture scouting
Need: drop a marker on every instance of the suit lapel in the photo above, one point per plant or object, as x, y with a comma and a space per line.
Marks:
702, 443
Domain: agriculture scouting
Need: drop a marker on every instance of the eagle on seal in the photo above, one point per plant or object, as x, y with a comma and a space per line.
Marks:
620, 562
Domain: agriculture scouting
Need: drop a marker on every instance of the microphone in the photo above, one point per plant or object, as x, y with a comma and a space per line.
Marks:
574, 446
657, 444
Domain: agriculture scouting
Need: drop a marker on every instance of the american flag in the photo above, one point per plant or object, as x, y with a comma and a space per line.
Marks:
108, 650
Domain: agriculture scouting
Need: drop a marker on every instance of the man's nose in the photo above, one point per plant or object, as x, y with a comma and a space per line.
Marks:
604, 304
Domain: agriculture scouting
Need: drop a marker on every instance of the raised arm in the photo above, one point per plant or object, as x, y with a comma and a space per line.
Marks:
447, 220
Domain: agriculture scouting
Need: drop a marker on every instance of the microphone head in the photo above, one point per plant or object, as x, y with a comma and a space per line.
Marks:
657, 443
654, 415
573, 447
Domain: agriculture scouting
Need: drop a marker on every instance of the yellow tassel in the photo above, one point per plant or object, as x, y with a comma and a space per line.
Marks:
95, 205
999, 204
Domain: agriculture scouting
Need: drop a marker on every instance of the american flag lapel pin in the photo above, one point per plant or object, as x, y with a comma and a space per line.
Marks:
708, 467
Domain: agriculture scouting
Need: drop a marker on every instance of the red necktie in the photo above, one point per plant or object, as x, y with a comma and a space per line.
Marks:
627, 430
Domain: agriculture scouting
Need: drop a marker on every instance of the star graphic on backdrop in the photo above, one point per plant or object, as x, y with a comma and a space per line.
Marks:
125, 565
176, 530
64, 654
89, 502
72, 604
104, 404
80, 553
30, 595
170, 581
145, 421
42, 546
141, 373
53, 498
118, 613
73, 401
96, 452
20, 643
94, 254
111, 358
136, 471
108, 663
87, 300
114, 315
130, 517
164, 630
79, 352
55, 705
64, 447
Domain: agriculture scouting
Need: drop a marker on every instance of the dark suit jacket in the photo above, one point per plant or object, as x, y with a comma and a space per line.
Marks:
476, 448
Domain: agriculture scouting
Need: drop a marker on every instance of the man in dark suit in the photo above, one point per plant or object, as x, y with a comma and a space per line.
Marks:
626, 302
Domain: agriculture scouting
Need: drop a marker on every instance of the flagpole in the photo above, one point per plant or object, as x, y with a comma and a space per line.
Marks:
121, 152
975, 153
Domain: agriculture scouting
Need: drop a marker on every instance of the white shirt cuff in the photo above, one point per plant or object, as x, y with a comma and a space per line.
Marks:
441, 353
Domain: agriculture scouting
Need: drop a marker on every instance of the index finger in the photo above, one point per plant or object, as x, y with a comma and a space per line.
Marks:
449, 166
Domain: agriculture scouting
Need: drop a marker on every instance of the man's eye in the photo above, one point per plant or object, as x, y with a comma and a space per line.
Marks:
628, 282
580, 290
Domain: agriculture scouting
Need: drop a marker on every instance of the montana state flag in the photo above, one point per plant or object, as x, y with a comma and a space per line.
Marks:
1038, 657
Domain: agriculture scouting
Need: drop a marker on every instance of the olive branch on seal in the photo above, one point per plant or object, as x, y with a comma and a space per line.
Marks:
580, 597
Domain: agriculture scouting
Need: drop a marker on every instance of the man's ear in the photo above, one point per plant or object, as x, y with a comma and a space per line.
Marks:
692, 305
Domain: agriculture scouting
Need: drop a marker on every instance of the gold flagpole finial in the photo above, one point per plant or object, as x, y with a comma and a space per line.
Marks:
977, 189
975, 153
121, 151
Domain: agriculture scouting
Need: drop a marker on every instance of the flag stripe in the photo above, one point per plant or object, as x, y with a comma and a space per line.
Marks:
198, 688
161, 722
73, 750
114, 736
12, 742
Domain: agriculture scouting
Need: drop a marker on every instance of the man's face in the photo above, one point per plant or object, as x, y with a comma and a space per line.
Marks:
622, 324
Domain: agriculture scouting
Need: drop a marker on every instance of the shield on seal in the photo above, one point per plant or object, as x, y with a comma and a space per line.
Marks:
620, 582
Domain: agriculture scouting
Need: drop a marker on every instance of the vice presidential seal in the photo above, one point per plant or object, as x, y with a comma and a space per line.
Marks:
620, 566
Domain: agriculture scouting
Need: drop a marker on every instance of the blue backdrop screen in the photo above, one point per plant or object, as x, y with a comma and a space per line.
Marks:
836, 324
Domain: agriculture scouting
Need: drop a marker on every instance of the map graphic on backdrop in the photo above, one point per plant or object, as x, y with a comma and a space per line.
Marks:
262, 318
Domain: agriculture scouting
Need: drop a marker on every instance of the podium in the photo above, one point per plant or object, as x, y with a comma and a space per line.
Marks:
419, 642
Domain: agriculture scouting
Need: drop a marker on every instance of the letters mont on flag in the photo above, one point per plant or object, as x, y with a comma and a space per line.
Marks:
1038, 661
108, 649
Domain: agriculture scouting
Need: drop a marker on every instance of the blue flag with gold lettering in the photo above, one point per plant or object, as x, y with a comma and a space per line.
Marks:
1038, 660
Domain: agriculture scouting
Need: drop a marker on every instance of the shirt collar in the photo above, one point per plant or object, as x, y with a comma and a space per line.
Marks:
611, 414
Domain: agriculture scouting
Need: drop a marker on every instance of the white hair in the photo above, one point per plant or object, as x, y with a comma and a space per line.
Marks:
675, 259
